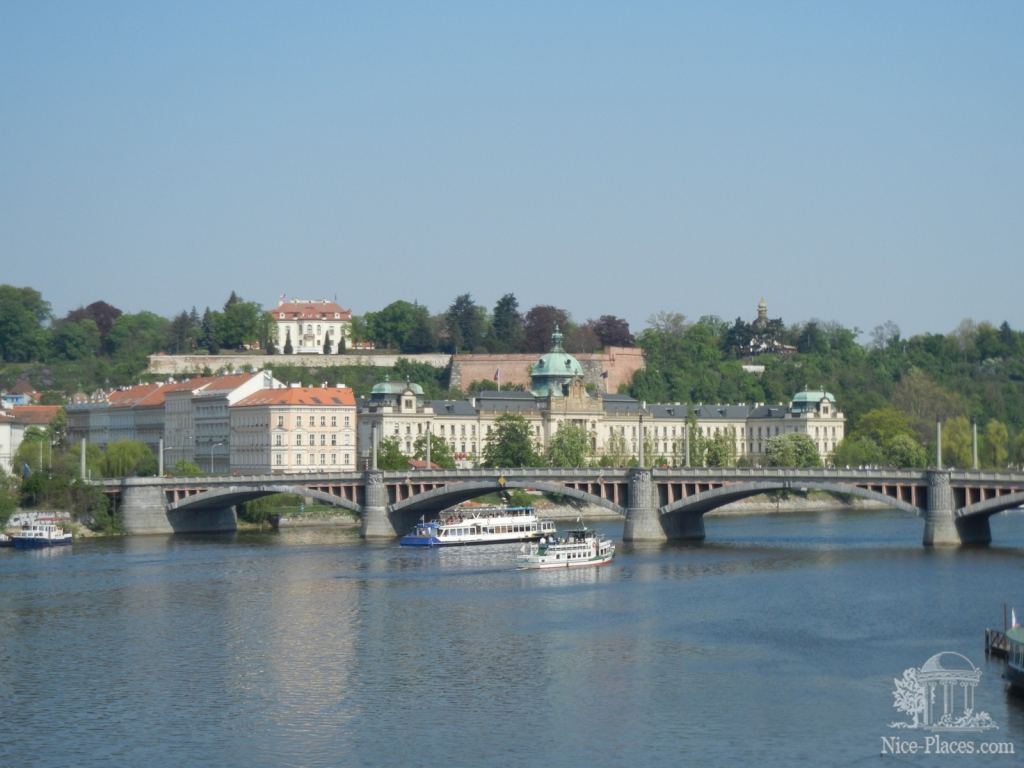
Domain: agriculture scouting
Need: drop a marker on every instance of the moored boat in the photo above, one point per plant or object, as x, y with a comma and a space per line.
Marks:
579, 547
39, 535
5, 540
479, 525
1014, 672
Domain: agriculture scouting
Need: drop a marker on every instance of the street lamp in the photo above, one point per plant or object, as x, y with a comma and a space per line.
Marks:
212, 446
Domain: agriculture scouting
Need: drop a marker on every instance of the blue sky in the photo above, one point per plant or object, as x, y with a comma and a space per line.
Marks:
856, 162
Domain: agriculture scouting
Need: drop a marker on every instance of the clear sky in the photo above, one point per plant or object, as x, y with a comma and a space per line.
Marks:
857, 162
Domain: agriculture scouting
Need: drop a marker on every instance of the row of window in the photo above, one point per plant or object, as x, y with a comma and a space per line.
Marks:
312, 459
311, 439
311, 421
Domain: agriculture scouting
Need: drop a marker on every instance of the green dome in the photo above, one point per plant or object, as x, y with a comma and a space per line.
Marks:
554, 369
808, 400
387, 387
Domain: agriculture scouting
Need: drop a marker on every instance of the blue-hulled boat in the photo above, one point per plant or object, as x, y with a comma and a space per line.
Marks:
41, 535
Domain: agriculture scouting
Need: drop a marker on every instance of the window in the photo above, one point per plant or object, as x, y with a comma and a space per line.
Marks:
323, 421
334, 458
280, 421
323, 439
334, 439
334, 421
298, 421
323, 458
298, 459
346, 421
277, 439
298, 439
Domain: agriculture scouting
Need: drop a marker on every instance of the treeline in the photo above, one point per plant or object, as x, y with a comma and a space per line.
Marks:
892, 389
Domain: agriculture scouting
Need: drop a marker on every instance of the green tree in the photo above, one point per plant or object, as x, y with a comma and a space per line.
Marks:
510, 444
125, 458
400, 325
22, 315
75, 341
239, 325
1017, 450
540, 322
721, 450
902, 450
957, 442
440, 451
616, 452
858, 451
996, 444
792, 450
390, 456
134, 337
184, 468
569, 446
506, 332
466, 324
8, 497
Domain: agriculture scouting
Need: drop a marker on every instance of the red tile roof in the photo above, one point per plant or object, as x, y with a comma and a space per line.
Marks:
309, 310
37, 415
309, 396
132, 396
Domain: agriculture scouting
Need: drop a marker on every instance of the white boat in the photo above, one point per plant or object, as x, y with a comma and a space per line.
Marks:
577, 548
479, 525
5, 540
38, 535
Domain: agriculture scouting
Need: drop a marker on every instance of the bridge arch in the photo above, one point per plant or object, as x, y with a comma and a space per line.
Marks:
405, 513
706, 501
226, 497
991, 506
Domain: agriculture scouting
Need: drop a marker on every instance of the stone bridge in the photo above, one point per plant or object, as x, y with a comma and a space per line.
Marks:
656, 504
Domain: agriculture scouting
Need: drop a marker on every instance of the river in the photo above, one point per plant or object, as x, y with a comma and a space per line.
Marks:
774, 643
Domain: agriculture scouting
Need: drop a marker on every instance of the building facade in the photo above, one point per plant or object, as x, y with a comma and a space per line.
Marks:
305, 326
618, 426
294, 430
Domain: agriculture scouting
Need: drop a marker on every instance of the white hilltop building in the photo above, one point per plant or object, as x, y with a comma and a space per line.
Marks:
305, 325
616, 424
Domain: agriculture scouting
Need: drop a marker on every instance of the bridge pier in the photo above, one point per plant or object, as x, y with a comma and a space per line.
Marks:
376, 524
974, 530
940, 528
642, 519
144, 511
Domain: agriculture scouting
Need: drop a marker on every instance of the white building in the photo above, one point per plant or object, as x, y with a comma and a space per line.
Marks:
305, 325
617, 424
292, 430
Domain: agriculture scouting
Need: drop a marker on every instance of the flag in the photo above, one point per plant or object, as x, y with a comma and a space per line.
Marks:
1013, 619
604, 374
497, 374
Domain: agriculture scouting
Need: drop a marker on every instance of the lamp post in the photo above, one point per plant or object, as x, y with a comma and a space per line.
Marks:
640, 459
212, 446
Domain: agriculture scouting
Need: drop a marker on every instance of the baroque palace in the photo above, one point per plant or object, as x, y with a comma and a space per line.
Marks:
616, 424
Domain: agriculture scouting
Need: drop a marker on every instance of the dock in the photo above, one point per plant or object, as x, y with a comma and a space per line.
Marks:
996, 643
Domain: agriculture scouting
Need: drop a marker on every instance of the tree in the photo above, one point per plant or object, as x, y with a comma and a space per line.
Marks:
507, 331
903, 450
957, 442
400, 325
22, 314
126, 458
996, 444
183, 335
908, 695
101, 313
8, 497
209, 334
569, 447
238, 327
540, 323
616, 452
184, 468
134, 337
466, 324
389, 454
721, 450
75, 340
612, 331
288, 348
858, 451
440, 451
327, 343
792, 450
510, 444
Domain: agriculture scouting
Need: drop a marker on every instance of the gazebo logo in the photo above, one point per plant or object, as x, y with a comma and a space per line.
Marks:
939, 696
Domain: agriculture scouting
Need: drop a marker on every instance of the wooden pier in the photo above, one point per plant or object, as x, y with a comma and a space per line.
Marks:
996, 643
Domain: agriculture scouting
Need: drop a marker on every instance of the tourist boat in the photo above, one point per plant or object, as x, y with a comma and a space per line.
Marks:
479, 525
1014, 673
39, 535
577, 548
